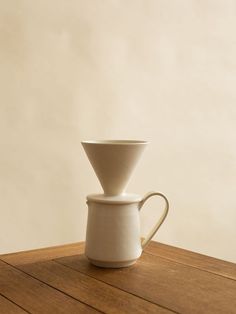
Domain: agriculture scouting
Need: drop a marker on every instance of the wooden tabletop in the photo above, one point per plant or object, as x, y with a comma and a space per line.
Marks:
164, 280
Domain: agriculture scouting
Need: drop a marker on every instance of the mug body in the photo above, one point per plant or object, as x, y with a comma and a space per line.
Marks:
113, 234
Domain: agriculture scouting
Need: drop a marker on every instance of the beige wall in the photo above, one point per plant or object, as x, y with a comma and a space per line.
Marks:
160, 70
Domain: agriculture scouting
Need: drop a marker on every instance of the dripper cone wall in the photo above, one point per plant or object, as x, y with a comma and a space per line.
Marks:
113, 162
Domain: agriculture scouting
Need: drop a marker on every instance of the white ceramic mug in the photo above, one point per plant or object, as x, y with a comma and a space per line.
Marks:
113, 229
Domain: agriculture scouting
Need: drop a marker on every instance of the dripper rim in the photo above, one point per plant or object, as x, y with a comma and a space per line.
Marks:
115, 142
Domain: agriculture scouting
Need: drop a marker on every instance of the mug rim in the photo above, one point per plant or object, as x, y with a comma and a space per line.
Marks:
115, 142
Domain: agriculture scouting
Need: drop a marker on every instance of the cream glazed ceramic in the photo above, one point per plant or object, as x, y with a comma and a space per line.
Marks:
113, 226
113, 229
113, 162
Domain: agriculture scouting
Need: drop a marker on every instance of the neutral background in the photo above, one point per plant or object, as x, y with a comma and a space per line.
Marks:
160, 70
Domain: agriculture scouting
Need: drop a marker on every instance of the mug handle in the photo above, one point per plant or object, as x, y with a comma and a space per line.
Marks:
153, 231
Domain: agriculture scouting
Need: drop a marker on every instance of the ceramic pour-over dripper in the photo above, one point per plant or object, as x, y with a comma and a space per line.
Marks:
114, 162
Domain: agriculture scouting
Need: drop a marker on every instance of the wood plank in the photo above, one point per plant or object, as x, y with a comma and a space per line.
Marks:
8, 307
2, 264
186, 257
178, 287
35, 296
89, 290
44, 254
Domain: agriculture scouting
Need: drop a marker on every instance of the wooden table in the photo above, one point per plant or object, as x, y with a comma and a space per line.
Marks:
164, 280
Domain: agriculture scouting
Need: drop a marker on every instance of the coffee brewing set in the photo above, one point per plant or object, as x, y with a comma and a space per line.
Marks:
113, 226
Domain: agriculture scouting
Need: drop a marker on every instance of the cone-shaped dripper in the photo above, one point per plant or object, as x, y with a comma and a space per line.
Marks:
113, 162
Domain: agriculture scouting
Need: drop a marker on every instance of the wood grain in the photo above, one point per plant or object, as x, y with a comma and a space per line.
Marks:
99, 295
164, 280
178, 287
44, 254
35, 296
7, 307
203, 262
